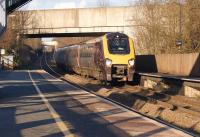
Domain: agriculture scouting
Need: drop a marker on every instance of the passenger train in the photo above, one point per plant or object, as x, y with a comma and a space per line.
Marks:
107, 58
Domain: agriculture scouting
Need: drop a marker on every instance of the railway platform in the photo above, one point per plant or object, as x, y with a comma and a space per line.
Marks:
34, 103
168, 76
184, 85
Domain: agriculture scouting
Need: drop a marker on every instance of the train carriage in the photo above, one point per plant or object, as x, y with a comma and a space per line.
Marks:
107, 58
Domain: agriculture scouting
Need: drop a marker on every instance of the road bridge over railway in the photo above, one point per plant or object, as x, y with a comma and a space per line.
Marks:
79, 22
69, 22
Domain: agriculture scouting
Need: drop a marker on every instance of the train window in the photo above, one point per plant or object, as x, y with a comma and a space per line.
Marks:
118, 45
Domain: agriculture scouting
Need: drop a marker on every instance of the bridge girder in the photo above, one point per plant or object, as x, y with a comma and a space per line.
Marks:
11, 5
88, 34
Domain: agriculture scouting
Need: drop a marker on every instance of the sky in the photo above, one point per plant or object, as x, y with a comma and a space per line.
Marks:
62, 4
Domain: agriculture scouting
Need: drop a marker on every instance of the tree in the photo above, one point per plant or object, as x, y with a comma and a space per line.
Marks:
193, 25
162, 23
151, 31
13, 38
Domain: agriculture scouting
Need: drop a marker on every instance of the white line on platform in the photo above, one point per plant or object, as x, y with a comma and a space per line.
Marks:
62, 126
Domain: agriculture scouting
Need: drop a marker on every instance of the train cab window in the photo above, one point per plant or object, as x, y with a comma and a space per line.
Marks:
118, 45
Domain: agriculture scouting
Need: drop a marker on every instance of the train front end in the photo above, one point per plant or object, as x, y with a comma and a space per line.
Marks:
119, 57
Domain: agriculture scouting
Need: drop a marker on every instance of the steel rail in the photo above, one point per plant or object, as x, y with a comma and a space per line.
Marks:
113, 101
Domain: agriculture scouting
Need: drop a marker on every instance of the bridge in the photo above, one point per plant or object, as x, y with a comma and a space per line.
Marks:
14, 4
79, 22
98, 21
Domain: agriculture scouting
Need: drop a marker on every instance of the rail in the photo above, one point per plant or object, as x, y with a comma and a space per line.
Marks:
53, 72
6, 63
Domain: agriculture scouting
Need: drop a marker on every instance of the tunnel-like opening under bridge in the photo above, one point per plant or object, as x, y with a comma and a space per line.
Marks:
51, 35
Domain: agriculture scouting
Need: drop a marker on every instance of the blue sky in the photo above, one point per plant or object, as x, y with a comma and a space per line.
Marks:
60, 4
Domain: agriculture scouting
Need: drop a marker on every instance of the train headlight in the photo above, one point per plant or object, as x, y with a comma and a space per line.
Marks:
131, 62
108, 62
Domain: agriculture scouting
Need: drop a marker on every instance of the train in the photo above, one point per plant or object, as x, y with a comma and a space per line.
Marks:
108, 58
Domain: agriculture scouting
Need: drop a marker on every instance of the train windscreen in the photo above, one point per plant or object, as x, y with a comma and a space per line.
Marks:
118, 44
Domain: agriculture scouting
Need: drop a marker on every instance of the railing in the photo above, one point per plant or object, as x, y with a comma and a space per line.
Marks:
6, 63
77, 29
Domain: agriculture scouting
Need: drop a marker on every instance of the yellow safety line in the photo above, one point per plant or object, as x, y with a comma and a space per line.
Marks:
62, 126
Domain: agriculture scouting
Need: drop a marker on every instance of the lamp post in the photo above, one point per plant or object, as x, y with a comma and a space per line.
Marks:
179, 41
180, 18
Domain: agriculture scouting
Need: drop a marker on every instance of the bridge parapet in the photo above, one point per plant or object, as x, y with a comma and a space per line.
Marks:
80, 21
77, 29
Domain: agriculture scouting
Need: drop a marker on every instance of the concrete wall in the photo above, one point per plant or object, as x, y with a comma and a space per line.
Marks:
177, 64
2, 15
81, 20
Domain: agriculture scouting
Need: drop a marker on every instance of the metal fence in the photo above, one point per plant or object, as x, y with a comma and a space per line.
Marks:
7, 63
177, 64
77, 29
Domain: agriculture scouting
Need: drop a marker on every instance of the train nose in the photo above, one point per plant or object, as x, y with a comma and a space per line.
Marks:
119, 71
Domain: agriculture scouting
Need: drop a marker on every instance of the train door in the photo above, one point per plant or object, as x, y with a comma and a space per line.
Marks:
99, 60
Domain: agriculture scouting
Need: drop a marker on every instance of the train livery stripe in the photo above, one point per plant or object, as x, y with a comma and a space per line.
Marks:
117, 58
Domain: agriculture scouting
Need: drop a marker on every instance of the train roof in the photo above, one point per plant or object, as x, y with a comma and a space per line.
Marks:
111, 34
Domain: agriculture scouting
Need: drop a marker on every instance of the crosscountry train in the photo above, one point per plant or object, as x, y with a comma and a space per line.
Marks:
107, 58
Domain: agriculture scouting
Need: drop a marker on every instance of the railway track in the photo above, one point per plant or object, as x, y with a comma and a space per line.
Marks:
123, 95
174, 101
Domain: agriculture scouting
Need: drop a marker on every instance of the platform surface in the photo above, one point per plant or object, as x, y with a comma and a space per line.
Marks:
34, 103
